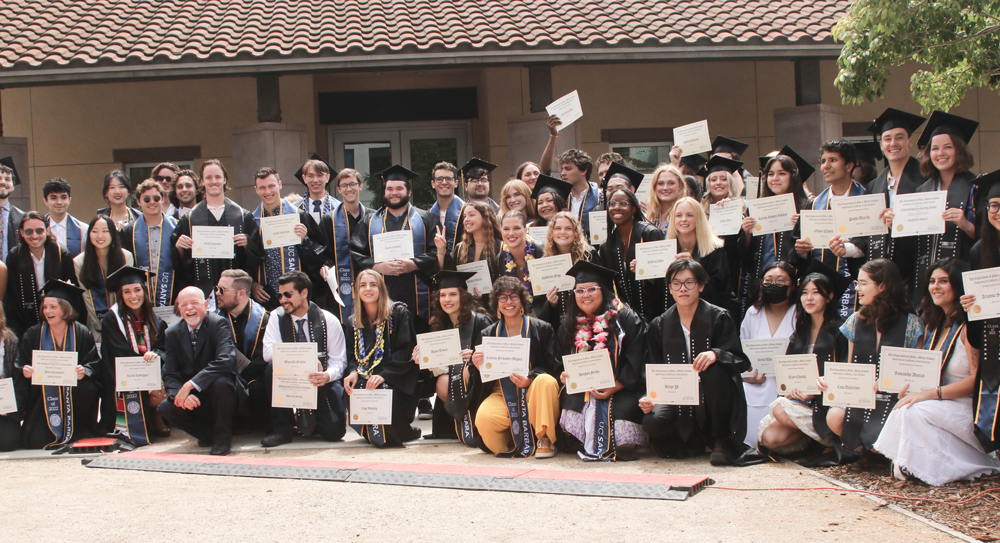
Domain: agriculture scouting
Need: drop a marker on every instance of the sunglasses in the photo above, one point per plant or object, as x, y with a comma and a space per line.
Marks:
35, 231
162, 178
286, 294
146, 199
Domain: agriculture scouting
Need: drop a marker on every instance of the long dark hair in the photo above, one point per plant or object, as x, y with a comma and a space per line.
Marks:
557, 200
122, 178
803, 320
146, 315
439, 320
889, 303
989, 242
932, 314
567, 331
784, 266
788, 164
89, 275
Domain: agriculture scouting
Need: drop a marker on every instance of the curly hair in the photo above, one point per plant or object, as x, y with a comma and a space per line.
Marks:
439, 320
579, 159
198, 187
889, 303
507, 285
578, 249
490, 224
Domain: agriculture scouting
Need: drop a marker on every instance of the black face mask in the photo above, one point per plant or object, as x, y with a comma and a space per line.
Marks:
775, 294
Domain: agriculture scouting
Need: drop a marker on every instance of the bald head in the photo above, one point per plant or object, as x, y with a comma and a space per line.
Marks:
192, 306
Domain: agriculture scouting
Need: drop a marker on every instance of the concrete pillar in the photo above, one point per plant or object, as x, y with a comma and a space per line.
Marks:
17, 148
805, 129
528, 135
280, 146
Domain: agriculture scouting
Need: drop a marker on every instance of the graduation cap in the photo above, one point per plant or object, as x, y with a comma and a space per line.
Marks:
397, 173
764, 160
837, 280
314, 156
126, 275
9, 162
474, 163
547, 183
585, 271
452, 279
946, 123
868, 151
634, 177
894, 118
721, 163
987, 184
805, 169
695, 162
56, 288
722, 144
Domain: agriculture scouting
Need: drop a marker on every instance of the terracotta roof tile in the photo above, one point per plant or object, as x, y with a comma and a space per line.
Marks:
63, 33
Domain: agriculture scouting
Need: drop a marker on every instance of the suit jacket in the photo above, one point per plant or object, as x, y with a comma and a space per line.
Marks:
214, 354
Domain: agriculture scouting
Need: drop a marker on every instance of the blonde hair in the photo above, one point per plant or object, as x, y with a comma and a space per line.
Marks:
384, 311
578, 249
653, 210
706, 239
523, 189
707, 199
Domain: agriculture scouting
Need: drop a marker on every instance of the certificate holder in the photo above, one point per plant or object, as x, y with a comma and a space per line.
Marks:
479, 281
54, 368
440, 349
918, 213
849, 385
693, 138
985, 284
213, 242
392, 246
549, 272
817, 227
8, 400
773, 214
796, 372
292, 364
858, 216
567, 108
134, 374
918, 368
371, 406
589, 370
672, 384
653, 258
598, 226
503, 356
279, 231
726, 218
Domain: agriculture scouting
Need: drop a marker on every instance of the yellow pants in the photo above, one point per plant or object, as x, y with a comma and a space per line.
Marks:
493, 419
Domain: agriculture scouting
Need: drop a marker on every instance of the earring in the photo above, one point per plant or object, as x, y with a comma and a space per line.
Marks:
522, 311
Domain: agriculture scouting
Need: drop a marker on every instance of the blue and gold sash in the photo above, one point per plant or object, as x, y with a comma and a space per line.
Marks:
58, 400
74, 235
451, 216
135, 415
342, 252
516, 400
161, 284
416, 225
279, 260
846, 305
99, 298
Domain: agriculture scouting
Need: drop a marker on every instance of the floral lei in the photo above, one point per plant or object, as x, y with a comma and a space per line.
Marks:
595, 330
510, 264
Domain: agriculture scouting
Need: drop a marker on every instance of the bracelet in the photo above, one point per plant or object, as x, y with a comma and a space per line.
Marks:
939, 393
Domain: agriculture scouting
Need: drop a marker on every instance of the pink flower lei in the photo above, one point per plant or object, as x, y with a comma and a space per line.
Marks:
595, 330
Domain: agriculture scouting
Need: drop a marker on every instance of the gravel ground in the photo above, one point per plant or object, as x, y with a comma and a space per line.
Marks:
68, 502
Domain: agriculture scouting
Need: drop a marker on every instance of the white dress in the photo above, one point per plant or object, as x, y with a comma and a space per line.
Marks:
759, 397
934, 439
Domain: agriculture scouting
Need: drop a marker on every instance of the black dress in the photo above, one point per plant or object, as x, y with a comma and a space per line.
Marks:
204, 273
831, 346
984, 335
456, 417
553, 314
647, 298
10, 424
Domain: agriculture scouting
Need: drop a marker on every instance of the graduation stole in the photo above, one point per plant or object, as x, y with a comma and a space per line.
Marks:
961, 193
161, 285
341, 237
950, 341
451, 215
58, 400
287, 257
416, 225
200, 216
99, 297
317, 328
458, 391
74, 235
368, 359
676, 351
516, 400
251, 330
327, 207
135, 416
986, 408
31, 299
828, 257
604, 445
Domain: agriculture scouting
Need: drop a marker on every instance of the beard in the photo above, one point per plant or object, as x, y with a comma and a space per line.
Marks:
398, 205
4, 193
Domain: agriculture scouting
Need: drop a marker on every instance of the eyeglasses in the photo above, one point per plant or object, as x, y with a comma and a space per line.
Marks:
35, 231
618, 203
286, 294
155, 198
351, 185
993, 208
779, 282
589, 291
477, 180
449, 179
504, 298
860, 284
690, 284
162, 178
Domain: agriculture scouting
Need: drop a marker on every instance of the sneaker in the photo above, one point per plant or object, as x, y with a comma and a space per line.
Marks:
424, 409
545, 448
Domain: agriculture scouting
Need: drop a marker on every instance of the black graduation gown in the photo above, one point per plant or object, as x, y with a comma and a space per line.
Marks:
309, 258
328, 255
10, 424
452, 260
85, 394
647, 298
954, 243
718, 288
553, 314
115, 344
205, 273
461, 393
985, 337
542, 357
711, 329
831, 346
753, 258
629, 365
22, 302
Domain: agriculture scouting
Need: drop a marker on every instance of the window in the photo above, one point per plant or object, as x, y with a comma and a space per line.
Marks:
643, 157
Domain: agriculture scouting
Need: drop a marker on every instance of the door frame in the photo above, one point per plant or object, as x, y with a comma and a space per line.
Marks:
398, 135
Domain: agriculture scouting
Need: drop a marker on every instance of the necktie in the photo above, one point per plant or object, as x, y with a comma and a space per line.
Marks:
194, 339
316, 204
300, 333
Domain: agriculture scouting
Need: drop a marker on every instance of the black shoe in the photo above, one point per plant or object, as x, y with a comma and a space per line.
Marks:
275, 439
205, 442
424, 409
718, 457
223, 448
413, 435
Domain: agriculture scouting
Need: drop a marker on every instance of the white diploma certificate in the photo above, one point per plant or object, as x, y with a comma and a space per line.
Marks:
598, 226
985, 284
858, 216
672, 384
761, 352
539, 234
773, 214
479, 281
279, 231
652, 258
371, 406
918, 213
134, 374
334, 285
849, 385
693, 138
54, 368
213, 242
440, 349
753, 187
642, 195
567, 108
818, 227
392, 245
726, 218
549, 272
503, 356
166, 314
796, 372
919, 368
590, 370
292, 364
8, 401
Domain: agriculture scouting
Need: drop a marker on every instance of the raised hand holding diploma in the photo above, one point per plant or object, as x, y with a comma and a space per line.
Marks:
567, 109
693, 138
652, 258
982, 286
672, 384
725, 217
480, 281
213, 242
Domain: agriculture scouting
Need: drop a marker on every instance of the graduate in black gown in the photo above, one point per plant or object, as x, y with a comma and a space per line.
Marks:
380, 339
57, 416
696, 332
722, 188
516, 249
214, 210
596, 422
565, 236
550, 196
479, 241
626, 228
696, 241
